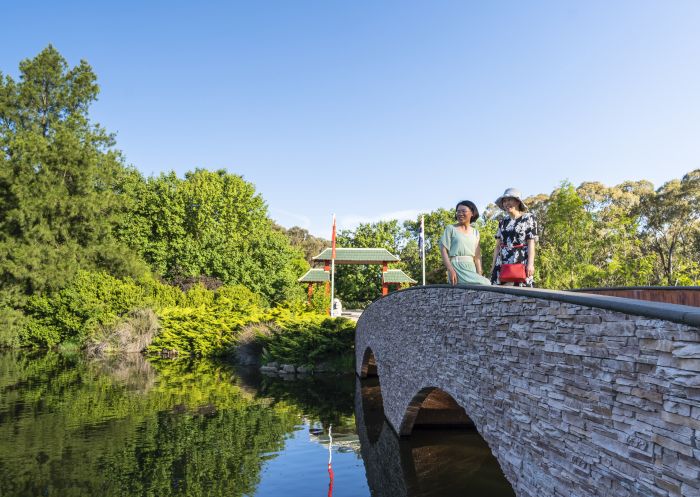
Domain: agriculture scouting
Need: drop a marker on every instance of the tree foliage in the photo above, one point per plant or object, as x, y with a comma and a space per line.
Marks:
358, 285
591, 236
310, 245
75, 221
214, 224
670, 221
61, 181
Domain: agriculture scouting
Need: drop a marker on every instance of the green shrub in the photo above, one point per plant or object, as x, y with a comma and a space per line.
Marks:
207, 322
197, 331
198, 296
238, 298
90, 300
320, 301
161, 294
39, 332
303, 342
12, 323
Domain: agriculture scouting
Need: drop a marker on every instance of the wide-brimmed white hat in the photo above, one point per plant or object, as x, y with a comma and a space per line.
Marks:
513, 193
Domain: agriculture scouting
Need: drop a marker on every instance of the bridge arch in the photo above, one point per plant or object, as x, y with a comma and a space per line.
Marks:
572, 392
369, 364
432, 406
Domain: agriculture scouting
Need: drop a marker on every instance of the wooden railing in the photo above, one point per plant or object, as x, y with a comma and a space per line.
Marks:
683, 295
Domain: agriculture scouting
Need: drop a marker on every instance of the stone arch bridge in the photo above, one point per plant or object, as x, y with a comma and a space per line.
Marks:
576, 394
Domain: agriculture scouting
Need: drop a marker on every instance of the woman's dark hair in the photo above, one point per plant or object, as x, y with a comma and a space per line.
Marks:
472, 207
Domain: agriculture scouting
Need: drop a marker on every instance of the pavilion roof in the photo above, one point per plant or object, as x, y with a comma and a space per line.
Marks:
357, 256
315, 275
397, 276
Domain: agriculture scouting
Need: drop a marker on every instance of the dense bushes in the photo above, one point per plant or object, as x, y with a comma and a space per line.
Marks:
89, 301
329, 341
112, 315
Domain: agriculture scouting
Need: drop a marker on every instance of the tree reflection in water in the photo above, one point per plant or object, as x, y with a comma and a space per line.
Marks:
125, 426
72, 427
431, 462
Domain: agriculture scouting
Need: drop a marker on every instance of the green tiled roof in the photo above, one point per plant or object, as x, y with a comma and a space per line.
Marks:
357, 256
316, 275
397, 276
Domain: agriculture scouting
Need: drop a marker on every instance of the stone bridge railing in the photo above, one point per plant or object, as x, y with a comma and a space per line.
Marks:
576, 395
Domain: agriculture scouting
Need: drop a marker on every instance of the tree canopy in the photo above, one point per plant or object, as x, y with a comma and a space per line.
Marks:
61, 181
213, 223
70, 204
630, 234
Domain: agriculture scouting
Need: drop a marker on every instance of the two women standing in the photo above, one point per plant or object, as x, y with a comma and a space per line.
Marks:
515, 244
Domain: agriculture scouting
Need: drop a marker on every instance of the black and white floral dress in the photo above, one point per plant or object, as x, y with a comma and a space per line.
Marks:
512, 233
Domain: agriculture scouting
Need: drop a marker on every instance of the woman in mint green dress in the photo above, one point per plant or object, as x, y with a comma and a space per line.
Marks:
459, 246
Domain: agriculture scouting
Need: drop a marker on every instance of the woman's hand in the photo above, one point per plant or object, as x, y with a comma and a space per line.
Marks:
530, 270
453, 275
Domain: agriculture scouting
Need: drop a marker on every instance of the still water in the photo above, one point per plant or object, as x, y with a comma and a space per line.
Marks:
129, 427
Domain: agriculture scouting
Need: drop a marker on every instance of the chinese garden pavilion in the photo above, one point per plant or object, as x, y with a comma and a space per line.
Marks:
356, 256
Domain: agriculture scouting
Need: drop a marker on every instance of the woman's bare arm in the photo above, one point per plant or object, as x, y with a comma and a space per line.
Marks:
452, 274
477, 258
496, 249
530, 257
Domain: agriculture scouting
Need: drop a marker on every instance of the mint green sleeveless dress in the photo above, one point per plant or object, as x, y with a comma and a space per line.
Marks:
461, 244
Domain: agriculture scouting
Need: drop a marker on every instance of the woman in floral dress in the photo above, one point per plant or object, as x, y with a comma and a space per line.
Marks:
515, 238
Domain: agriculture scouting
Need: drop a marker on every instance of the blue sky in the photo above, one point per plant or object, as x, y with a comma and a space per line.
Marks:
375, 109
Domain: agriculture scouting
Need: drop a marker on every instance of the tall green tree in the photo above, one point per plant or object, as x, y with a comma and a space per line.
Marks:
566, 248
620, 253
61, 180
670, 221
213, 223
302, 239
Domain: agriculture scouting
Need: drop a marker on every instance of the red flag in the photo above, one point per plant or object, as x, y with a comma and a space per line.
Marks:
333, 240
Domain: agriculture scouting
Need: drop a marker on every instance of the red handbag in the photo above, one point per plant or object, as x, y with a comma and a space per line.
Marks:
513, 273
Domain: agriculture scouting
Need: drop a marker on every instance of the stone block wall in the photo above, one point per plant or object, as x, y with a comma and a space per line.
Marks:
576, 395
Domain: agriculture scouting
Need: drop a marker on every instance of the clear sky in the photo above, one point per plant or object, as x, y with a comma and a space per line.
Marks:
375, 109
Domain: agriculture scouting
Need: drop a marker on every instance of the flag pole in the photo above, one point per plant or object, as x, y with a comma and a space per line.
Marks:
422, 245
332, 266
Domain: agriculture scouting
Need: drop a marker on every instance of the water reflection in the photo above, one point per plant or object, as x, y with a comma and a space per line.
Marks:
72, 427
126, 426
431, 462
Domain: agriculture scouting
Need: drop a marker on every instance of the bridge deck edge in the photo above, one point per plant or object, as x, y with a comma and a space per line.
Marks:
676, 313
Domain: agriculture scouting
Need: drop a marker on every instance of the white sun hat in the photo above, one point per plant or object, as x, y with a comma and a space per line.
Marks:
513, 193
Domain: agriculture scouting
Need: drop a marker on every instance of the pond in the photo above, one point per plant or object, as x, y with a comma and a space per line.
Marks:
70, 426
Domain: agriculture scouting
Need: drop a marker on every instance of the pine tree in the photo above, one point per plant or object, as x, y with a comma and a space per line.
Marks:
61, 180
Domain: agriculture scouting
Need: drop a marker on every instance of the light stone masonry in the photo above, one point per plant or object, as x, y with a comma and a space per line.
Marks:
576, 395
